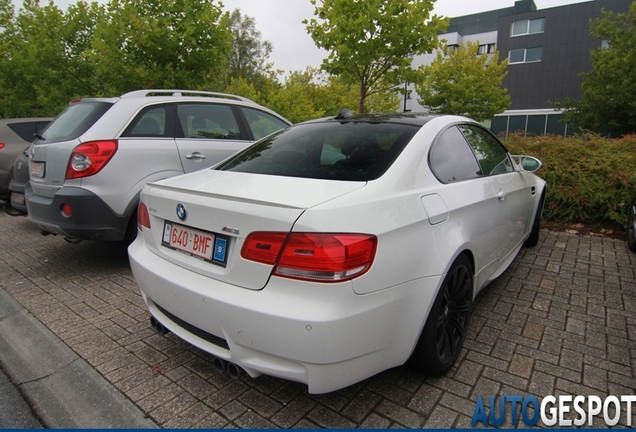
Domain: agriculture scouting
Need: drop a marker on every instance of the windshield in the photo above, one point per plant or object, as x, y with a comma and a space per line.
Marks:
355, 151
74, 121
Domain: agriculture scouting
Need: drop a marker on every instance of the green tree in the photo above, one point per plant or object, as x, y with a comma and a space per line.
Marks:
293, 100
460, 81
371, 42
249, 54
161, 44
608, 91
241, 87
43, 62
332, 93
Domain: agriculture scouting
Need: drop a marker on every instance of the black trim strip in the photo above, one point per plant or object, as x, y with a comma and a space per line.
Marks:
220, 342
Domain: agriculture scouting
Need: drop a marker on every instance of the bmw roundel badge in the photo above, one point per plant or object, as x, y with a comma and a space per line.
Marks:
181, 212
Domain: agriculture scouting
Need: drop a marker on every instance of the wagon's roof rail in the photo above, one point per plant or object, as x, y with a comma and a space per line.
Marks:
179, 93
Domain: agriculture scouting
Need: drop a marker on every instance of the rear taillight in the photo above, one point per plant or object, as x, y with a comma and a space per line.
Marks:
312, 256
263, 247
1, 146
89, 158
143, 217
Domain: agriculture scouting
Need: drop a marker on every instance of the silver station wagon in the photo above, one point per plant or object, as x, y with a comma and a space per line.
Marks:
87, 168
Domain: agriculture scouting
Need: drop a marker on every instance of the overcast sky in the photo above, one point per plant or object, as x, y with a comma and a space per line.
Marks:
280, 22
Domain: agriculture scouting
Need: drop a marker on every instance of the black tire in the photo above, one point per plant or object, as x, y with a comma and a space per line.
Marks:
12, 211
533, 239
631, 226
443, 335
131, 229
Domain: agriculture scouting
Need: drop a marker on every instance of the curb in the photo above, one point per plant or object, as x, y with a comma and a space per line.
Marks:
62, 388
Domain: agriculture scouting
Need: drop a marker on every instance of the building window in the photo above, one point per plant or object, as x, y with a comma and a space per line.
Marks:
486, 49
525, 27
451, 48
525, 55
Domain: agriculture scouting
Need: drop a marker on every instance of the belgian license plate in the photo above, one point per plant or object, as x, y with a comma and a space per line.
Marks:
36, 169
17, 198
195, 242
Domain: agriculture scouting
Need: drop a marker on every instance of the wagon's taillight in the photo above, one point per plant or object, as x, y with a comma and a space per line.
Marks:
318, 257
89, 158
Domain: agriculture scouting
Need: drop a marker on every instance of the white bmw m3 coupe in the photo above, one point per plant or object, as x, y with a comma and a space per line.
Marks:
336, 248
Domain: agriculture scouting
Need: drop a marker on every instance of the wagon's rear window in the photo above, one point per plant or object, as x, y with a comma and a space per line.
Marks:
355, 151
74, 121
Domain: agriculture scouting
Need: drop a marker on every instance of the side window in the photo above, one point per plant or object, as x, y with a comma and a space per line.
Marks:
153, 121
24, 130
262, 123
451, 158
491, 155
208, 121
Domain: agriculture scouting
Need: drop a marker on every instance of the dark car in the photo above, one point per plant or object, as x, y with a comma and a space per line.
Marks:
18, 181
15, 136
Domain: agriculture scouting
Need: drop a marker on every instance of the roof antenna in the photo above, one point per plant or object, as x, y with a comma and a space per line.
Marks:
344, 114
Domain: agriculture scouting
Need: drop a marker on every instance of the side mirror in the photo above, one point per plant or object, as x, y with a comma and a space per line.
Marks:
528, 163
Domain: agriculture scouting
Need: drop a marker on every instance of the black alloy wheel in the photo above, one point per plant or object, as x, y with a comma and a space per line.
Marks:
454, 310
443, 335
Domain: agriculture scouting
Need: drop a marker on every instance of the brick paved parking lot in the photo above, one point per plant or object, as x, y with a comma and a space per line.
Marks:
561, 320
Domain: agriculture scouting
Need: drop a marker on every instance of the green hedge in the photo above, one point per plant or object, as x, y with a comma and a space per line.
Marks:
590, 179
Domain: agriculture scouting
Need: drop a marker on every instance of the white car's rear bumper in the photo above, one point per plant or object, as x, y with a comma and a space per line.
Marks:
323, 335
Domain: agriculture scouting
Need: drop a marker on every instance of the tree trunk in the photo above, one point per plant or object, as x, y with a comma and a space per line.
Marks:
362, 100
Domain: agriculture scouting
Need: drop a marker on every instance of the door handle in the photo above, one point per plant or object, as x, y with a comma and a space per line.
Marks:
501, 195
195, 156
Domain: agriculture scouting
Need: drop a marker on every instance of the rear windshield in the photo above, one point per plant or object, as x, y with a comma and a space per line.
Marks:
74, 121
355, 151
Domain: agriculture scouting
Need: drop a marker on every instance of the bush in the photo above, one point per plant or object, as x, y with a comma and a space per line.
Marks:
590, 179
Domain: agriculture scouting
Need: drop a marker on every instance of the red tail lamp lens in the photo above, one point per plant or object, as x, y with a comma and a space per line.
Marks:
143, 217
313, 256
263, 247
89, 158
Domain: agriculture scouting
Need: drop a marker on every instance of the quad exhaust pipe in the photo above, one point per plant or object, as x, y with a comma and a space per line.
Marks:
235, 371
160, 329
219, 364
222, 366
